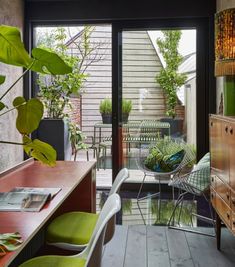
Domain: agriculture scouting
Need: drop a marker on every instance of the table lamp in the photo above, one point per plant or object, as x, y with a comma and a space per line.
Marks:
225, 56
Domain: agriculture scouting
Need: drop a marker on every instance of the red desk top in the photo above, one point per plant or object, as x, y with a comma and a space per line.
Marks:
66, 175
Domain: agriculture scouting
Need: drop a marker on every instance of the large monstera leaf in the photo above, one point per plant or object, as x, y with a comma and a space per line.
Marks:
12, 52
2, 79
40, 151
29, 114
49, 62
12, 49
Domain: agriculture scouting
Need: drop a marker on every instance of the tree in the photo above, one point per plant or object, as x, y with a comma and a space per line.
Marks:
169, 79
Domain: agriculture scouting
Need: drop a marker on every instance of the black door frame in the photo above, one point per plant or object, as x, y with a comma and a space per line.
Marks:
205, 81
206, 93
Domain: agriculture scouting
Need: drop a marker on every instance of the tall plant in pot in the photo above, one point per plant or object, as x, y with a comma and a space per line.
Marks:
29, 112
55, 92
169, 79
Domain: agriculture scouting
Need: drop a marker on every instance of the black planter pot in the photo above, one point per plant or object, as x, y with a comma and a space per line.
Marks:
125, 117
176, 126
107, 118
55, 132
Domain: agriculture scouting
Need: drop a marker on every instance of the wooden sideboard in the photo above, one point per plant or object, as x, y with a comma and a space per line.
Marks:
222, 148
78, 192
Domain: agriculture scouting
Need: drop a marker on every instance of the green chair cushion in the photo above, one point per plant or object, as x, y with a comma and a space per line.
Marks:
72, 227
200, 176
54, 261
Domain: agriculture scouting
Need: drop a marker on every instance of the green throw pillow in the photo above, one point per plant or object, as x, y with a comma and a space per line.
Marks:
200, 176
165, 156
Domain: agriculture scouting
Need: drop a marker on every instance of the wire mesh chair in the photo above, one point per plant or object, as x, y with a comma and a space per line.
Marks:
196, 183
143, 152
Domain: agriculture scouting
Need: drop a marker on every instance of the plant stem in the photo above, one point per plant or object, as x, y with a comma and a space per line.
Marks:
9, 110
12, 143
9, 89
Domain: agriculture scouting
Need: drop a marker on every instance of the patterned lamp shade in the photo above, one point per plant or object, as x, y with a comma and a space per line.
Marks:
225, 42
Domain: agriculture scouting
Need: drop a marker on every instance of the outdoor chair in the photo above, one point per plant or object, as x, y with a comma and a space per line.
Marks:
195, 183
176, 155
91, 256
73, 230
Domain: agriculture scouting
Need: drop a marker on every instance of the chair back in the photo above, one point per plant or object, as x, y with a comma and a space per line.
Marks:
93, 252
120, 178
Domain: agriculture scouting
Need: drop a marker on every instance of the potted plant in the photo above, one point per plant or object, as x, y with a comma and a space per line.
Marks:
126, 109
106, 110
55, 92
29, 112
169, 79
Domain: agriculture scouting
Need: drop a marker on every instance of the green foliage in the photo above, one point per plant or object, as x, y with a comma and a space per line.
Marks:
169, 79
77, 137
9, 242
106, 106
2, 79
162, 150
29, 112
40, 151
126, 106
56, 90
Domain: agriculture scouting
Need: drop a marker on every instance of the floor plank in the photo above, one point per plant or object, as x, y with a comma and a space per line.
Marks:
178, 248
114, 252
204, 252
157, 249
136, 247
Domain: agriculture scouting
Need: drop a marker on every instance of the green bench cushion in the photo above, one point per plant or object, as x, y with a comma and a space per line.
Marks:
72, 227
54, 261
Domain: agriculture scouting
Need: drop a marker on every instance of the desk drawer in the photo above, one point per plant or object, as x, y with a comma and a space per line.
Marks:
222, 190
223, 210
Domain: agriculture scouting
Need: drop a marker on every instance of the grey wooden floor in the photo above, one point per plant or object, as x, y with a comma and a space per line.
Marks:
153, 246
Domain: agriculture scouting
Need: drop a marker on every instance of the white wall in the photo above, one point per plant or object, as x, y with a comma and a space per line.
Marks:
11, 13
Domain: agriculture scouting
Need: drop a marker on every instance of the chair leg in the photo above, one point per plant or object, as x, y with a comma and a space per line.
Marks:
178, 202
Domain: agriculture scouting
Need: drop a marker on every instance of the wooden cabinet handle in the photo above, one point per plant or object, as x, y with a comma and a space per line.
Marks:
211, 123
231, 130
226, 129
233, 200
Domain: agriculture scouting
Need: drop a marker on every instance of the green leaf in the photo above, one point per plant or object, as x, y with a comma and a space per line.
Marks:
2, 79
29, 114
40, 151
2, 105
12, 48
49, 62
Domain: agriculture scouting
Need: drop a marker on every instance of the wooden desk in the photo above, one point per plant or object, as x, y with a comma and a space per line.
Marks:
77, 180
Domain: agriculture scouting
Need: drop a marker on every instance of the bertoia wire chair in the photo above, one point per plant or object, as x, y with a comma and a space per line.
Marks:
195, 183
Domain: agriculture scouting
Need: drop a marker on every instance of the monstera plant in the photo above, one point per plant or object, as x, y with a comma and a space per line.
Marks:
29, 112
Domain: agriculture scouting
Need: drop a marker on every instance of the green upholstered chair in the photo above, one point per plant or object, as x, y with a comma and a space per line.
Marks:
73, 230
92, 254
